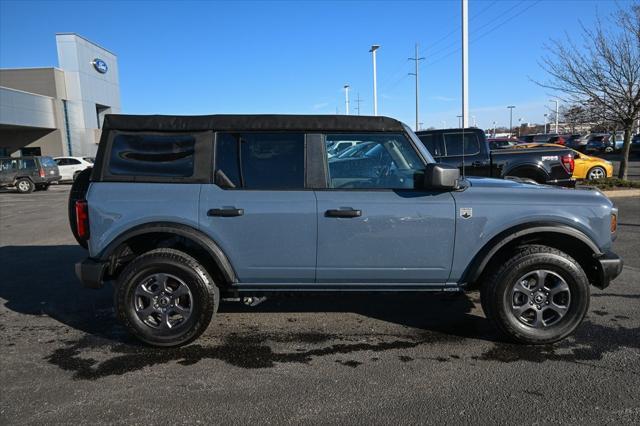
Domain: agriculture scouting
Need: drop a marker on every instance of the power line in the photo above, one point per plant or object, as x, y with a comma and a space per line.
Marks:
486, 33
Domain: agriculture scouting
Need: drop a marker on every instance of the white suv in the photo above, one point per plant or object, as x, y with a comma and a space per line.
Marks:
70, 167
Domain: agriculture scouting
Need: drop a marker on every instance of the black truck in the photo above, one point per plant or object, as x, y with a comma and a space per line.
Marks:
548, 165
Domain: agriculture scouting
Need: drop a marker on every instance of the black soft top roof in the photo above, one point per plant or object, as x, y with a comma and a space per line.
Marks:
310, 123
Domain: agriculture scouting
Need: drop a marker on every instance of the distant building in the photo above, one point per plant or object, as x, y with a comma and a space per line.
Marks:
59, 110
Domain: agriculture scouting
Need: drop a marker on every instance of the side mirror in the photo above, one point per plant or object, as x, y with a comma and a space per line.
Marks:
441, 176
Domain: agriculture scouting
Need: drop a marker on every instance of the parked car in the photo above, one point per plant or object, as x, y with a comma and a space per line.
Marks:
70, 167
543, 138
500, 143
635, 145
28, 174
337, 147
575, 141
270, 214
605, 142
543, 165
585, 167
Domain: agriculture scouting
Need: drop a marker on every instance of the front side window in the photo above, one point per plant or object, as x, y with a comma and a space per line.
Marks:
260, 160
454, 143
152, 155
374, 161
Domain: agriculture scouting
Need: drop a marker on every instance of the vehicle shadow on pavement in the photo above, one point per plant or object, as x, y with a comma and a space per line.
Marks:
36, 287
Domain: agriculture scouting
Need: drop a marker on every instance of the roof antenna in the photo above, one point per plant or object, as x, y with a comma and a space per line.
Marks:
463, 161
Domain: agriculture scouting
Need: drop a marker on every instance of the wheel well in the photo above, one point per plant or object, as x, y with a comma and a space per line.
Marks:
574, 247
529, 172
140, 244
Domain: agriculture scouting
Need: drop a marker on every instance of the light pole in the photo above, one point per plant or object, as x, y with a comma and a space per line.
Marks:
346, 99
465, 63
459, 120
519, 126
473, 118
511, 107
545, 122
373, 49
416, 60
494, 129
556, 101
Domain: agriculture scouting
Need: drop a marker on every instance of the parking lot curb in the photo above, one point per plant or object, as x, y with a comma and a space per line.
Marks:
622, 193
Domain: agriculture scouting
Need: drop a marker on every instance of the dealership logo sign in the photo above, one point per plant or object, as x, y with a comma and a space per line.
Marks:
100, 65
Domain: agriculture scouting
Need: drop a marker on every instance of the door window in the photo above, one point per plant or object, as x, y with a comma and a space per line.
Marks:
260, 160
375, 161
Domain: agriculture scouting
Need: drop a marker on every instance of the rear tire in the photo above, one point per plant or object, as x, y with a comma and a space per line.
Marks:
538, 296
24, 186
166, 298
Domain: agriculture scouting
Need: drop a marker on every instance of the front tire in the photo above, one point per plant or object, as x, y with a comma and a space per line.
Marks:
538, 296
166, 298
596, 173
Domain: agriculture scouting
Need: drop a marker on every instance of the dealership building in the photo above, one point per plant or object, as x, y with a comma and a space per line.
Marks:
59, 110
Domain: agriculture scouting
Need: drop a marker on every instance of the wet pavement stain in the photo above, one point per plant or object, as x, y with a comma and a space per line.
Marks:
247, 352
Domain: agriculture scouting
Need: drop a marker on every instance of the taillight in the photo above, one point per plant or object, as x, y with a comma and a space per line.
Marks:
568, 162
82, 219
561, 141
41, 172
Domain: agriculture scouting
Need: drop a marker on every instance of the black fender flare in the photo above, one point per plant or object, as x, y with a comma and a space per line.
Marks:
527, 166
484, 256
204, 241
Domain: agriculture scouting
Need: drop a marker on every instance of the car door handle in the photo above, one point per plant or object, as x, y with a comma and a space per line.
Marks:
477, 164
226, 212
343, 213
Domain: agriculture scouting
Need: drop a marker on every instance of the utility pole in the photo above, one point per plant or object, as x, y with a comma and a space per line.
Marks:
511, 107
416, 59
346, 99
373, 49
473, 118
494, 129
459, 120
545, 122
556, 101
420, 125
465, 63
358, 103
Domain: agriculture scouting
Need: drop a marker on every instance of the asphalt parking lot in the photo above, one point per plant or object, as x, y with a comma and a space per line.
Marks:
357, 359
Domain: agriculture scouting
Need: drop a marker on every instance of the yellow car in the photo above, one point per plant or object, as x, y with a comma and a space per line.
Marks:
586, 167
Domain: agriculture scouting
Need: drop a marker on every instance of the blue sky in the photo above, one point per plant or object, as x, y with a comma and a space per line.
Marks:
295, 57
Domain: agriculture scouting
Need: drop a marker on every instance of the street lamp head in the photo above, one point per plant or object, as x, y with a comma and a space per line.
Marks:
346, 86
374, 47
511, 106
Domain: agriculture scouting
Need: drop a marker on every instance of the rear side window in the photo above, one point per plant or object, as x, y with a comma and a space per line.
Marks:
261, 160
28, 163
453, 142
160, 155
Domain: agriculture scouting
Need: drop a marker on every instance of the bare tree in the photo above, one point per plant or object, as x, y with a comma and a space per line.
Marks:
603, 75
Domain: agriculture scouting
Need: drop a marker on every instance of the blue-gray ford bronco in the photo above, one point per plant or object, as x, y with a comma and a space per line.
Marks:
179, 212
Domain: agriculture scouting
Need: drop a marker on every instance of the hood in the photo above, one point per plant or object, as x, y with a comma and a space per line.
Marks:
482, 182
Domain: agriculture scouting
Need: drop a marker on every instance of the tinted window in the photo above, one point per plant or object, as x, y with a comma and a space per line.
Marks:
61, 161
48, 162
227, 161
267, 160
73, 161
386, 161
453, 142
29, 163
152, 155
433, 143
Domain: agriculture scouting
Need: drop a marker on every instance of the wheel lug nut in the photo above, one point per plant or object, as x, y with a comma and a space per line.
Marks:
538, 306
